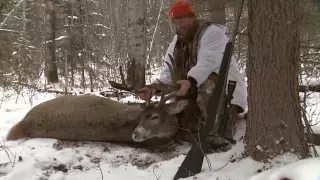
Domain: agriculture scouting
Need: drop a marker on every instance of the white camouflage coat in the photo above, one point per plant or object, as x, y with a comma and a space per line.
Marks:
210, 53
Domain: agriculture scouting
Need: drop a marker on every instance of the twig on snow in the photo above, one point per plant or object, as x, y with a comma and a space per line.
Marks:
100, 171
221, 167
155, 174
8, 152
205, 156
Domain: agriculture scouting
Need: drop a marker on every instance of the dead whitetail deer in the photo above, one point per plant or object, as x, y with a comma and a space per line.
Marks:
157, 119
94, 118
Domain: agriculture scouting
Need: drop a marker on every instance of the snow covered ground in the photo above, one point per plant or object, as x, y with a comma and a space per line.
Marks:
50, 159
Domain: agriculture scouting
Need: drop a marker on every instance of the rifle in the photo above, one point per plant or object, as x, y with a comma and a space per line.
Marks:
225, 115
192, 164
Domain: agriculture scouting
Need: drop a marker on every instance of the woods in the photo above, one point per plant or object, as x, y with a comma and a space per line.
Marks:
81, 45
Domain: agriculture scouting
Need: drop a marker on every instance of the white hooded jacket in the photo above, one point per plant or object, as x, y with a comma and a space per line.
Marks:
211, 48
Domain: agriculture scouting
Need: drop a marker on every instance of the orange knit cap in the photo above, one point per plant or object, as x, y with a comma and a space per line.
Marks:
180, 8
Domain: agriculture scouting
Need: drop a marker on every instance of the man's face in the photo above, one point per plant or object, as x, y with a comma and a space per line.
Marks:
183, 26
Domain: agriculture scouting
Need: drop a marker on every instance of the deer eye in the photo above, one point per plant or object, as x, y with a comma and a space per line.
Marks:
154, 117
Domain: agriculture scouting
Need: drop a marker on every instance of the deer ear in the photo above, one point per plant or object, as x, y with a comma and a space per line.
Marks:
177, 107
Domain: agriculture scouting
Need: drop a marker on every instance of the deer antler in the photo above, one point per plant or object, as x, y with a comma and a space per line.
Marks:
148, 100
160, 86
174, 87
165, 98
123, 85
173, 70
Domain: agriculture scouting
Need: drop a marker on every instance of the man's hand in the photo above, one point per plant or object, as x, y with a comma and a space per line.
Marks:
146, 93
185, 86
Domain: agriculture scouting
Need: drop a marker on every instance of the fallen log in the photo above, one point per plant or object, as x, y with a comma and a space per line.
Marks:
314, 88
36, 88
316, 139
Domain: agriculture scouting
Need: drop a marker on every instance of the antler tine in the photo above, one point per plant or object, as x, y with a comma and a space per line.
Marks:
173, 70
148, 100
174, 79
165, 87
162, 86
162, 100
123, 86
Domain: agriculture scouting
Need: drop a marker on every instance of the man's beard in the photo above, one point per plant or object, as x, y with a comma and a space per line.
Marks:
188, 35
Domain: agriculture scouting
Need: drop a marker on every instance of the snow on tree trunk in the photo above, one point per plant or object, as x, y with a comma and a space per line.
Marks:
137, 42
50, 30
274, 124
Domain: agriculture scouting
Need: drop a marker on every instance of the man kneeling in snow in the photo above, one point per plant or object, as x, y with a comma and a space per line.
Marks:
197, 50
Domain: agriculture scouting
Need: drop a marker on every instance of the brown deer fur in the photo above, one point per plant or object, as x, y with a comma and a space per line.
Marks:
86, 117
94, 118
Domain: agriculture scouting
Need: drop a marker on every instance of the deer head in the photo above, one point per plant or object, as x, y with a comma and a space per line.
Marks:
160, 120
157, 119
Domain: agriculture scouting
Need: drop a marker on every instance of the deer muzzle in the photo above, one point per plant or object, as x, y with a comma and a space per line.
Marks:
140, 134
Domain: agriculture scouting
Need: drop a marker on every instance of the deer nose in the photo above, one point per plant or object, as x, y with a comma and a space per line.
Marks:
137, 137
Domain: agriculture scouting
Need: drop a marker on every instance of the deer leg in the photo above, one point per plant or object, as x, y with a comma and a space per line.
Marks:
204, 92
232, 121
213, 139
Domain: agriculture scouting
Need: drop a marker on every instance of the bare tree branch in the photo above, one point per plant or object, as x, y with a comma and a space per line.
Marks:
9, 30
8, 16
8, 152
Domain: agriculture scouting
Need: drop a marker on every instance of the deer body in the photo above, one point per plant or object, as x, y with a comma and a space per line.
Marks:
86, 117
94, 118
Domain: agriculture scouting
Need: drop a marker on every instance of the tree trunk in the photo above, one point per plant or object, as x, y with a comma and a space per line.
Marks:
71, 39
2, 6
24, 17
213, 10
50, 29
66, 73
216, 10
274, 124
137, 43
82, 14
